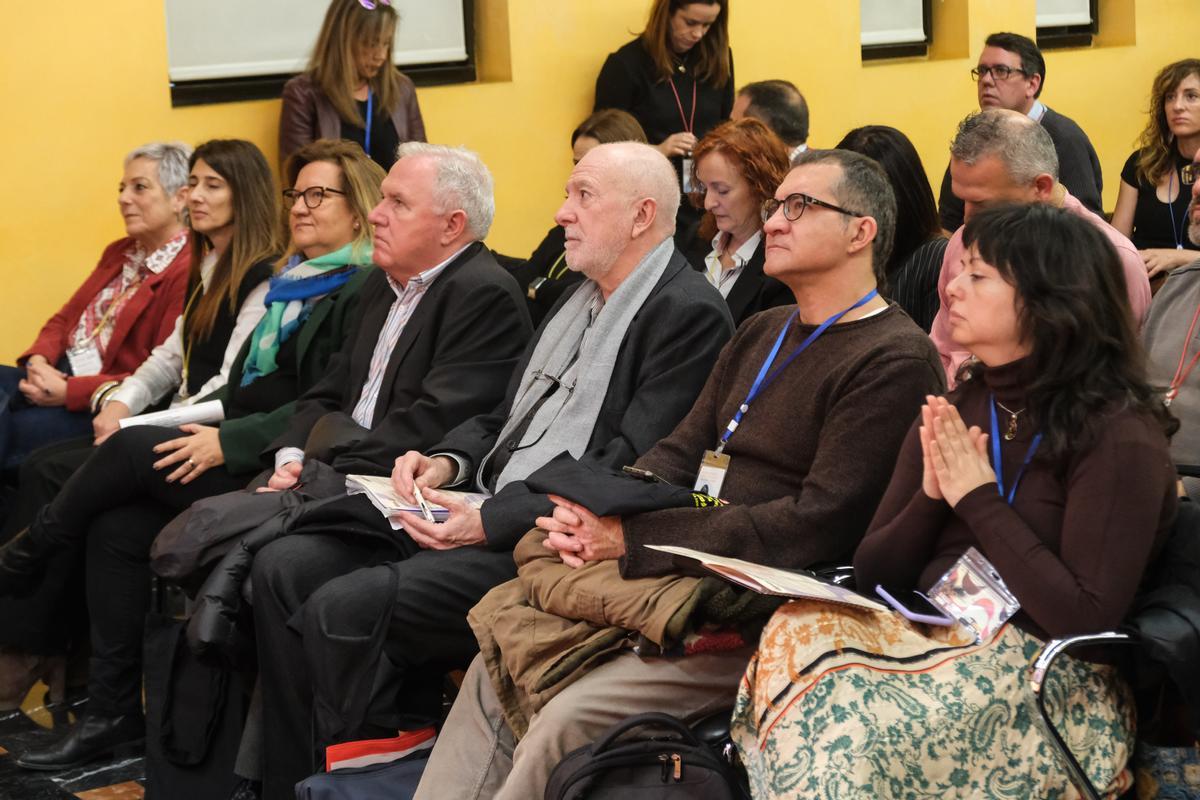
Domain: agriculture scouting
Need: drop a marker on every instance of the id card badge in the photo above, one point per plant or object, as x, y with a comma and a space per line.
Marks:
687, 175
711, 476
85, 360
973, 593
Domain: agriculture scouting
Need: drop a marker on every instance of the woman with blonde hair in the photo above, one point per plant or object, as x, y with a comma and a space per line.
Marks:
1153, 198
142, 476
351, 90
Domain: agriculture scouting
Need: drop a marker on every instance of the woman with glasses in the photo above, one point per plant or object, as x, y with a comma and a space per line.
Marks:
1047, 466
911, 274
1155, 183
737, 167
351, 90
141, 477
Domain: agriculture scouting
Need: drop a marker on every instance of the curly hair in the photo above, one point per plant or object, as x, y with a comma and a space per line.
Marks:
1086, 356
754, 150
1155, 157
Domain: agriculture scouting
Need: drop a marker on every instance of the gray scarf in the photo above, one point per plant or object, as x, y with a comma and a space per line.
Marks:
574, 360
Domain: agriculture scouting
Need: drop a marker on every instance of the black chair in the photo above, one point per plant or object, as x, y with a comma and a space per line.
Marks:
1162, 635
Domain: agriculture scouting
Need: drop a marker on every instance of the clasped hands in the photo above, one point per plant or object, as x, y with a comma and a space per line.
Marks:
43, 385
955, 457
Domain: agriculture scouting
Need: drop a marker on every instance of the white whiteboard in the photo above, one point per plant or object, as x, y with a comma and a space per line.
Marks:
1056, 13
237, 38
892, 22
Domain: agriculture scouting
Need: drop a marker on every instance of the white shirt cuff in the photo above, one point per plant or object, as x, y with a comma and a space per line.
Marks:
288, 455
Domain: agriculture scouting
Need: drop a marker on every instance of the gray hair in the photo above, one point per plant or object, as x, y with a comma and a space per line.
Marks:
1022, 145
863, 189
172, 159
643, 171
462, 182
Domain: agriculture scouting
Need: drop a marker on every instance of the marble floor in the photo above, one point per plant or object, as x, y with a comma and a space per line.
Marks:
35, 725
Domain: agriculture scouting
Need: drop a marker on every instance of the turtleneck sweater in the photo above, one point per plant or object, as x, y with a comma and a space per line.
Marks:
1077, 539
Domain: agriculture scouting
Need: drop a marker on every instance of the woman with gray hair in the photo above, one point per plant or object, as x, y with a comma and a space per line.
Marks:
123, 310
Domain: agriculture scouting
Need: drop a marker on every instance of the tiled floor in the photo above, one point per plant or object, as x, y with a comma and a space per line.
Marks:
34, 726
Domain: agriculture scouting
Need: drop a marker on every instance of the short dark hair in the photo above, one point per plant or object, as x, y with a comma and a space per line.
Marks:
1027, 50
610, 125
1087, 358
863, 189
916, 212
781, 105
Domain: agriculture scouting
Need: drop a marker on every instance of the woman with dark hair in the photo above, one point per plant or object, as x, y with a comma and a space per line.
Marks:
738, 166
911, 274
1152, 201
544, 275
1047, 466
142, 476
351, 90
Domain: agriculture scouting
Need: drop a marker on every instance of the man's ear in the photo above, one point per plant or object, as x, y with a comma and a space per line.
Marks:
646, 212
1043, 187
865, 230
454, 226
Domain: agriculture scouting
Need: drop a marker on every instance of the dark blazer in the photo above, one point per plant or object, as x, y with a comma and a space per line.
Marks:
450, 363
753, 291
664, 360
307, 115
245, 435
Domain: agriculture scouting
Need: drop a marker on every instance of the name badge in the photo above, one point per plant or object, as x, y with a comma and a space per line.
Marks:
973, 593
687, 175
711, 475
85, 360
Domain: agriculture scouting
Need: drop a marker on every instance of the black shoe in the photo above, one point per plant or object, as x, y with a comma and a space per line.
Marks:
93, 737
22, 564
247, 790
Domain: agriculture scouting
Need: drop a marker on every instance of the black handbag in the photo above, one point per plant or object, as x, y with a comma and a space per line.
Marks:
643, 767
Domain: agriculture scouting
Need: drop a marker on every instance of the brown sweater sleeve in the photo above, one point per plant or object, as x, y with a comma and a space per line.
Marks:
858, 440
1116, 496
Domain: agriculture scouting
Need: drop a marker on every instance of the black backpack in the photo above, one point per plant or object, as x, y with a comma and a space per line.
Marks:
643, 767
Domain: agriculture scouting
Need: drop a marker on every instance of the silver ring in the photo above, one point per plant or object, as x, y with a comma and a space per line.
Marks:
192, 463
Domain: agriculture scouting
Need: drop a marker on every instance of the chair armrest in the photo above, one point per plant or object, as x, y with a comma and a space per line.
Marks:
1049, 654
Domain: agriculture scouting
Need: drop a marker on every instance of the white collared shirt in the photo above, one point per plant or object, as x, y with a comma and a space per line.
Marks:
723, 279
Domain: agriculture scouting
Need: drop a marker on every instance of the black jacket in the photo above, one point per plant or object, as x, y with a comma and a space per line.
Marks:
450, 363
754, 290
665, 358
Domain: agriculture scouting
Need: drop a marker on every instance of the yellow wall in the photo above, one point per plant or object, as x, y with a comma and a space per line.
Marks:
82, 83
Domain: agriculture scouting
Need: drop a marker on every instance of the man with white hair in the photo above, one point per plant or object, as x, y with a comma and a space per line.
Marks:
614, 367
1002, 156
1171, 345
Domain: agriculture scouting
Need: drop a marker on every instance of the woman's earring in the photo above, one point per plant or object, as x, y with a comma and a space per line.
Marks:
356, 226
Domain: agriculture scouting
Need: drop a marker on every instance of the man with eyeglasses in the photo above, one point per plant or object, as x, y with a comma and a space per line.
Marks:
1170, 338
1011, 74
611, 370
1001, 156
797, 429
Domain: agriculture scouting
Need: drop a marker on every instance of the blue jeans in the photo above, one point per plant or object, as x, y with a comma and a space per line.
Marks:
25, 427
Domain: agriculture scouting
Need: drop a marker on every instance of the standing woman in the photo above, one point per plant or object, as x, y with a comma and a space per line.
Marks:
1050, 460
1153, 199
738, 166
676, 79
912, 271
351, 90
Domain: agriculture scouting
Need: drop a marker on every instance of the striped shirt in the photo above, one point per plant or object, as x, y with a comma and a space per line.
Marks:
408, 297
723, 279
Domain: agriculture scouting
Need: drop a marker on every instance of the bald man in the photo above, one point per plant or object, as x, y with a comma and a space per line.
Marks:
614, 367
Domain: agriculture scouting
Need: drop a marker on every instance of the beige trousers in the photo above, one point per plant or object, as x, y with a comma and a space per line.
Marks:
477, 757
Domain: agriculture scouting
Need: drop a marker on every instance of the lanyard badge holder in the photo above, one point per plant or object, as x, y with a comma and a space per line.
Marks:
715, 463
688, 126
973, 593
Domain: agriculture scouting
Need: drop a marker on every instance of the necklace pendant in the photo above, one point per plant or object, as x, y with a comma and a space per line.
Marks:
1011, 433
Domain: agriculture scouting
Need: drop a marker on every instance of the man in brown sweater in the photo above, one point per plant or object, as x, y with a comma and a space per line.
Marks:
808, 460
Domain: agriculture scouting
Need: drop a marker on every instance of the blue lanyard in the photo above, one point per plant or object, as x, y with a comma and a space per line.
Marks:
367, 134
998, 467
764, 379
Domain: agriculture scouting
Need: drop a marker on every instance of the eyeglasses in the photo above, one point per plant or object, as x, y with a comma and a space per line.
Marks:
313, 195
794, 204
1189, 173
999, 72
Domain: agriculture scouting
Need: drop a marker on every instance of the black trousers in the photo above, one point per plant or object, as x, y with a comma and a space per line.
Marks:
114, 505
320, 600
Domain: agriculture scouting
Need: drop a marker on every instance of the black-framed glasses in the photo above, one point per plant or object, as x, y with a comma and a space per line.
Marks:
1189, 173
313, 195
999, 72
794, 204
